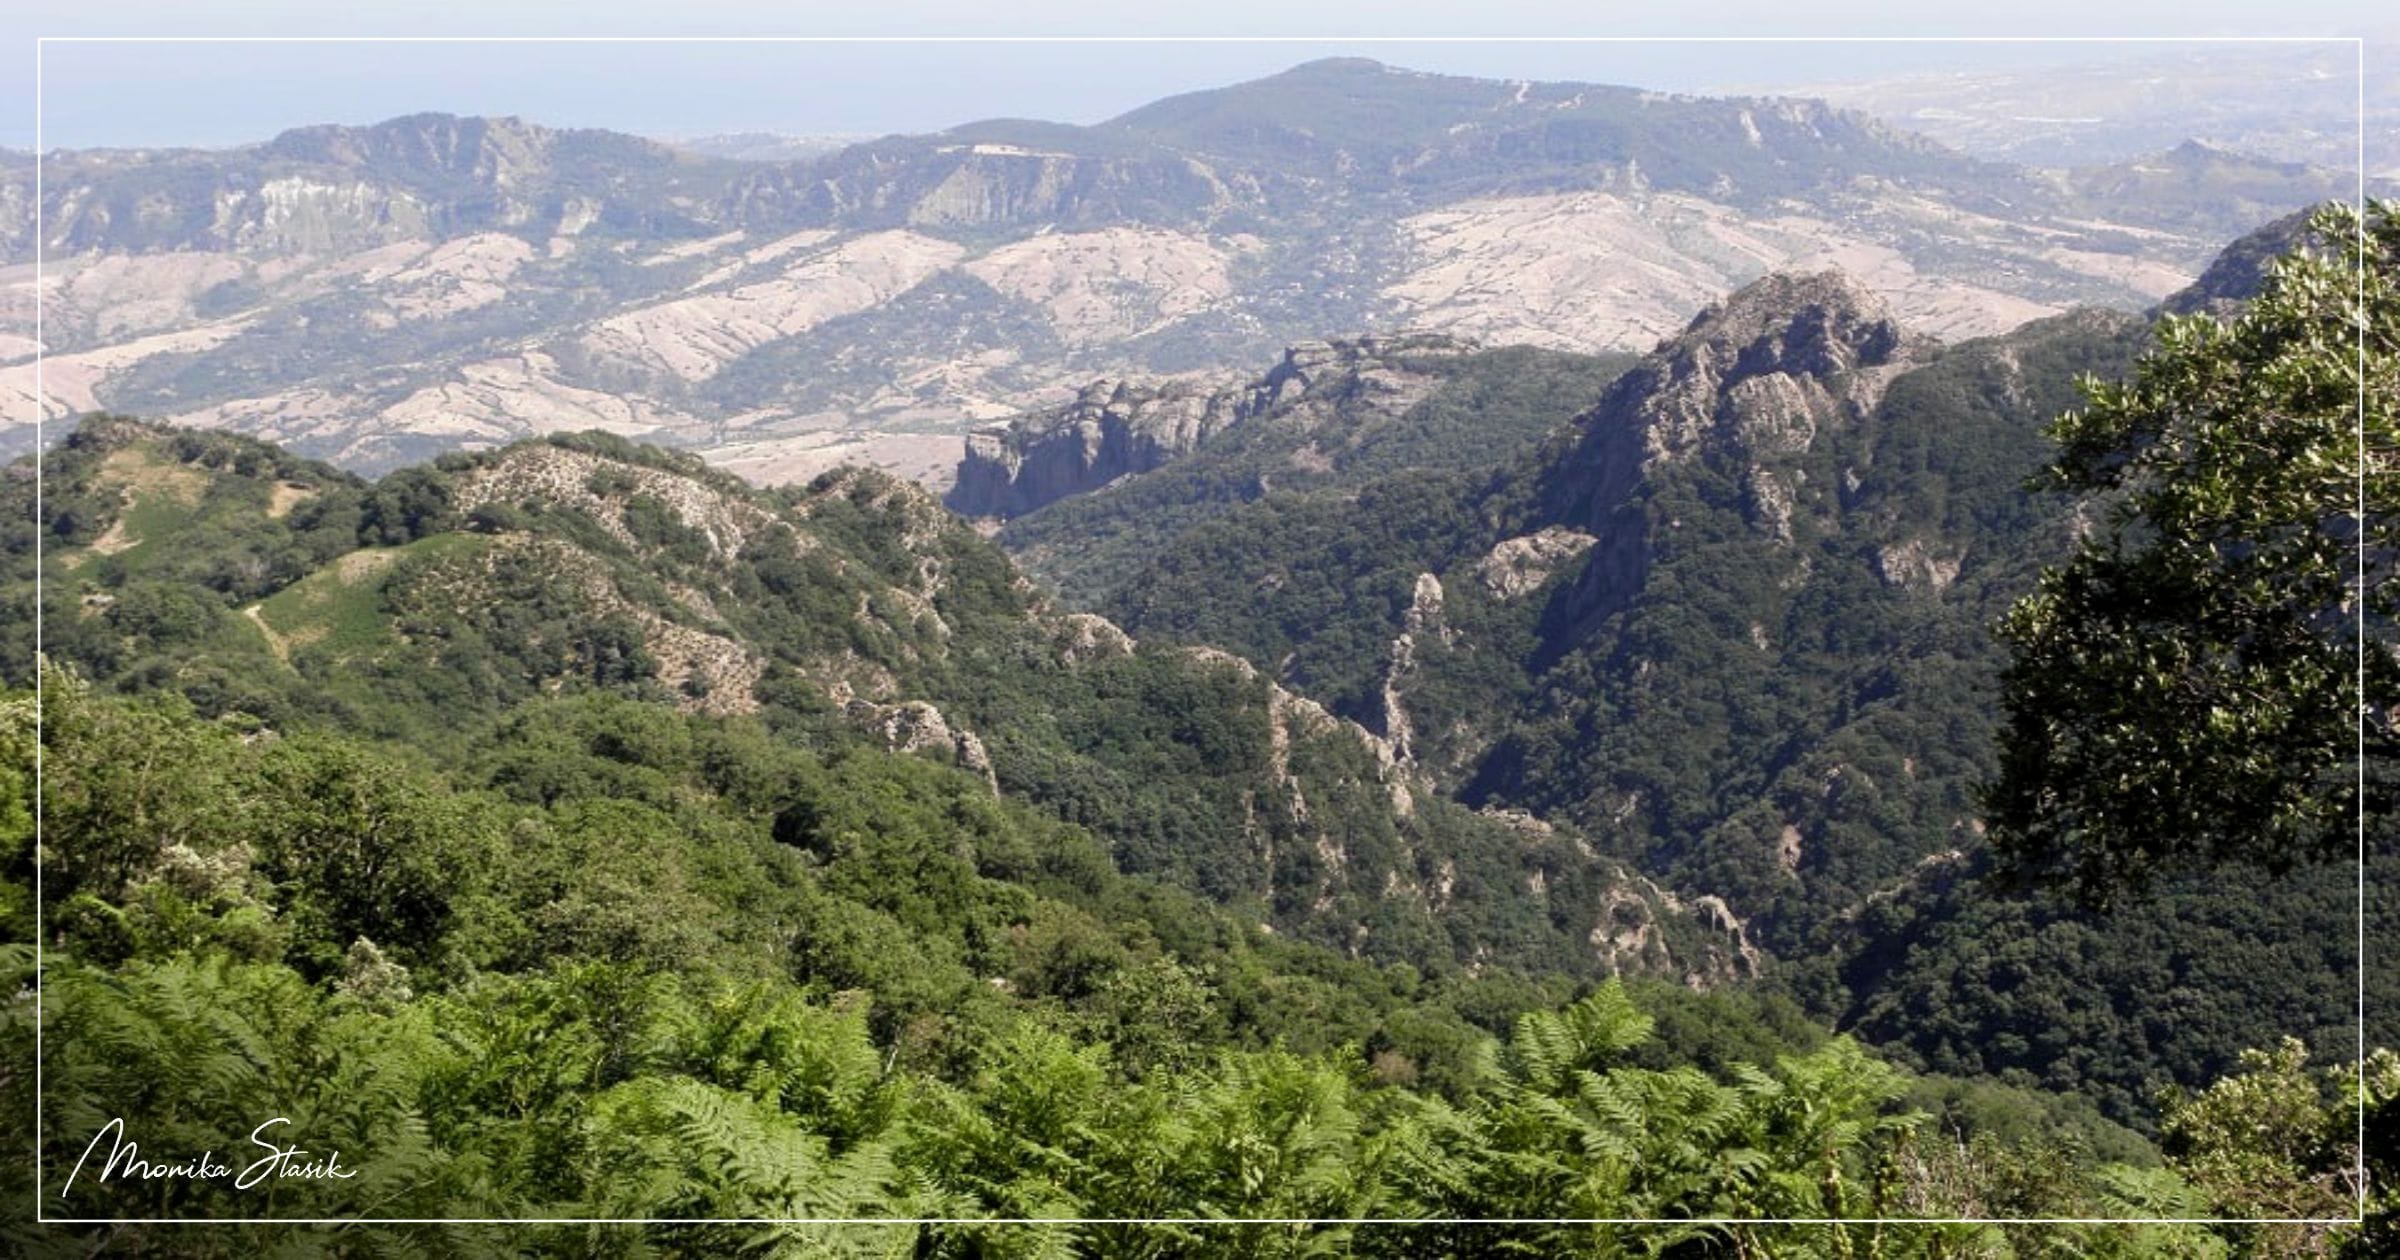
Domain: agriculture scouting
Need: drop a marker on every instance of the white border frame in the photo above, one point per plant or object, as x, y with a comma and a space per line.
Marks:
39, 795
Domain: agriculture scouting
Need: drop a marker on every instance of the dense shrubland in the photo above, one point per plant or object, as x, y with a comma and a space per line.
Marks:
603, 959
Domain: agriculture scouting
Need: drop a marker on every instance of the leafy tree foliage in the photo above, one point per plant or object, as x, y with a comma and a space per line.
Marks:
671, 966
2192, 684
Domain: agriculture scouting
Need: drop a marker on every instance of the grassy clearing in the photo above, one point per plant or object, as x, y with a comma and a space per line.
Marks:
339, 608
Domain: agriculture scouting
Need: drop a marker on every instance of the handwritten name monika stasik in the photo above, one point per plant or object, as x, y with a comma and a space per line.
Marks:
292, 1162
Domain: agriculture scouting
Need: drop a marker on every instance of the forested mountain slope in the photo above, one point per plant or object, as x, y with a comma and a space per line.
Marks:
1733, 621
1787, 514
253, 582
572, 831
1330, 415
618, 927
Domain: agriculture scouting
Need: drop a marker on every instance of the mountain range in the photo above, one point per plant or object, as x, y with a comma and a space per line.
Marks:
1424, 652
250, 580
2323, 101
1407, 650
376, 295
1732, 621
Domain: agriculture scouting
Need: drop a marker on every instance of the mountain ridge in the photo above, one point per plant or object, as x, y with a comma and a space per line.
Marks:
1732, 621
378, 294
1689, 687
1116, 429
296, 594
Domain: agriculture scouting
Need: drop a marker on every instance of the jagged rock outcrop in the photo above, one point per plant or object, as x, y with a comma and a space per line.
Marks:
1515, 566
1916, 565
1081, 637
1747, 387
1112, 429
1331, 371
1759, 371
602, 489
1115, 429
915, 726
2240, 271
1423, 620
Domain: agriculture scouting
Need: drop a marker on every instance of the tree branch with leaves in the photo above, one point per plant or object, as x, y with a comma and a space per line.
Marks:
2198, 682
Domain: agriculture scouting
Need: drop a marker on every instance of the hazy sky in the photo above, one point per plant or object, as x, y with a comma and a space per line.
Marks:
135, 94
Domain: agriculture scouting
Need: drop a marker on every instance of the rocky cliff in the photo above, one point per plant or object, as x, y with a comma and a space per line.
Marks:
1112, 429
1747, 389
1115, 429
2240, 271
